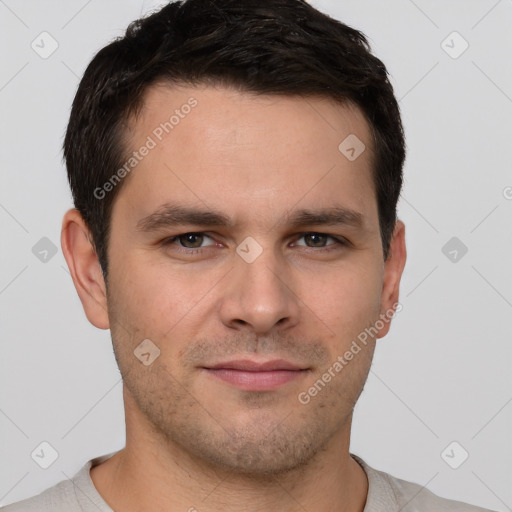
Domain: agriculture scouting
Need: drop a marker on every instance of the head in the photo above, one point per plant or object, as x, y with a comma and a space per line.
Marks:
235, 168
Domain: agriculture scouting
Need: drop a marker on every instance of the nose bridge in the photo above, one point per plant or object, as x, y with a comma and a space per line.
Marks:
266, 271
257, 293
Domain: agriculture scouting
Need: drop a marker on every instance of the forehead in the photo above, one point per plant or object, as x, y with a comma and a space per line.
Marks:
242, 118
226, 148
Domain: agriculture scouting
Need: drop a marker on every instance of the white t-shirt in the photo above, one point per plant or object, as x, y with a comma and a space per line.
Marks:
385, 494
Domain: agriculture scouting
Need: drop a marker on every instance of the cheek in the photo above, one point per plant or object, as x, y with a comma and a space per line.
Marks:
348, 298
161, 302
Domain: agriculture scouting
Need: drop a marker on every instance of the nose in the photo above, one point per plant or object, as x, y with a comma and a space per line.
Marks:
259, 295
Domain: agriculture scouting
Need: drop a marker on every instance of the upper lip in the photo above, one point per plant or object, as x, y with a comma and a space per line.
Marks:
255, 366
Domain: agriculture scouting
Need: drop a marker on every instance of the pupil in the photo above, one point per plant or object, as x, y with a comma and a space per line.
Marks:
190, 239
319, 239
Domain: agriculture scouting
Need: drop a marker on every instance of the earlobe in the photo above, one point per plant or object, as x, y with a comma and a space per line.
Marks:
393, 270
85, 269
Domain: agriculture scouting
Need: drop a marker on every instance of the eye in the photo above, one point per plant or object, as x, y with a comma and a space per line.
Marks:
318, 240
190, 241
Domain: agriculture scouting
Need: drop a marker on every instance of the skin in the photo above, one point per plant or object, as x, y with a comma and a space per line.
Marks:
194, 441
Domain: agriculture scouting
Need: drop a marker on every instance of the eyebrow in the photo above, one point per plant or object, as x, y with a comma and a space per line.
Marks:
169, 216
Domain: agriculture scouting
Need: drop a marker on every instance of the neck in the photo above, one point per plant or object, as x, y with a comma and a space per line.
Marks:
151, 473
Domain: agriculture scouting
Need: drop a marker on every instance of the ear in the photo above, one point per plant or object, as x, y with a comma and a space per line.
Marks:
393, 269
85, 269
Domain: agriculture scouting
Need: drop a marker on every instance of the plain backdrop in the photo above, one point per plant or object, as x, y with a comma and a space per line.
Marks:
441, 376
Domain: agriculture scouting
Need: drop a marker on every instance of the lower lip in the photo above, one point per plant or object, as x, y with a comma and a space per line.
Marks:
255, 381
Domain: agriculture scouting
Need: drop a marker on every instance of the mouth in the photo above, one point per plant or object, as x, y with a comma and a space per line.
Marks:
250, 375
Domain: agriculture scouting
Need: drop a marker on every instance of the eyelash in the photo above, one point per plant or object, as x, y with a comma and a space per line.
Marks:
340, 242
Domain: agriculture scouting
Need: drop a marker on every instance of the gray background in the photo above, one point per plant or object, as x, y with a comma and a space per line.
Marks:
441, 375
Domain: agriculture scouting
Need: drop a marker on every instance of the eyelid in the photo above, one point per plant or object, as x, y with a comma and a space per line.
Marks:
170, 240
337, 240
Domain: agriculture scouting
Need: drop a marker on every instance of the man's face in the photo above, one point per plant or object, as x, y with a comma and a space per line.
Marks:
260, 288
